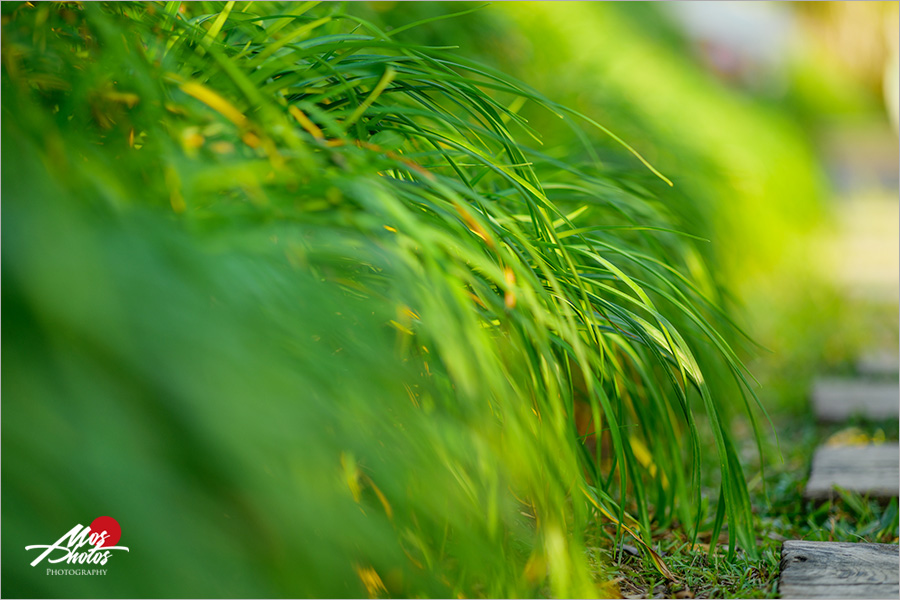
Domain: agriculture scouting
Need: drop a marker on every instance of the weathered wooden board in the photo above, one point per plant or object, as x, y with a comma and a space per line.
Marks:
879, 364
837, 400
839, 570
871, 469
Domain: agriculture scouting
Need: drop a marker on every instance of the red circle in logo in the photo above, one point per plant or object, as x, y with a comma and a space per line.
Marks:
110, 526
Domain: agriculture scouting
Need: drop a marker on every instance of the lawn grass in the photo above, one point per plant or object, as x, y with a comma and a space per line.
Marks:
780, 513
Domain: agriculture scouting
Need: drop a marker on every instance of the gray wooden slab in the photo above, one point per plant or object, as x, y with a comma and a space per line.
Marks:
872, 470
836, 399
879, 364
839, 570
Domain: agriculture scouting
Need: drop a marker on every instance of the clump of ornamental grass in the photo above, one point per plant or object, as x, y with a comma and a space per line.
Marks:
308, 311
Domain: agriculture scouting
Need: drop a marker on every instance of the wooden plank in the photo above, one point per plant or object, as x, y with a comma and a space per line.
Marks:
879, 364
872, 470
837, 399
839, 570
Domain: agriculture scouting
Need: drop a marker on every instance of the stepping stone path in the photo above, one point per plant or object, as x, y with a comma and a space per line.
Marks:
836, 400
870, 470
838, 569
879, 364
